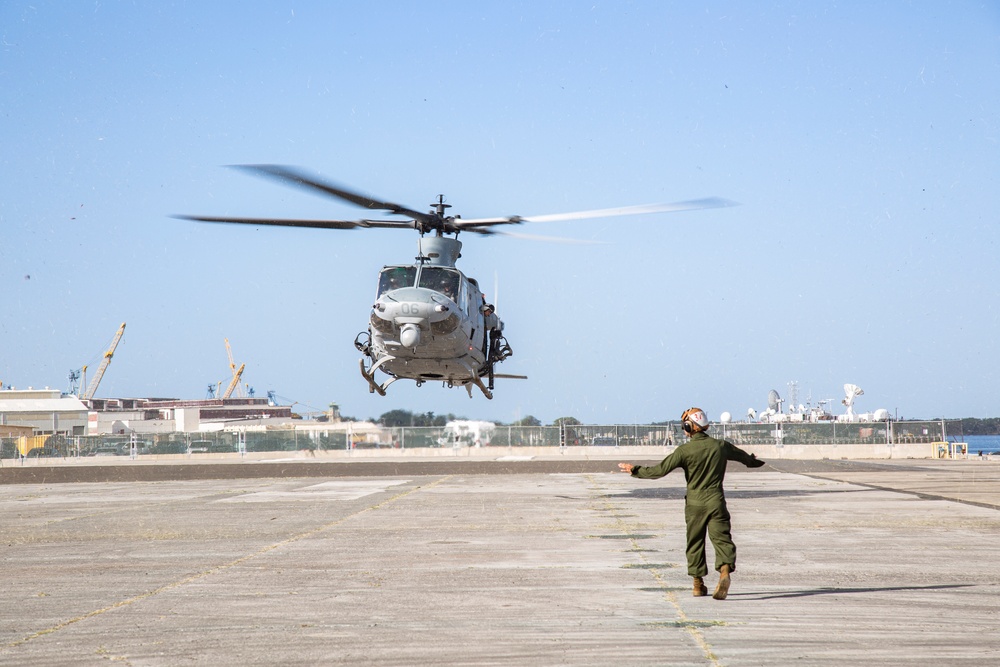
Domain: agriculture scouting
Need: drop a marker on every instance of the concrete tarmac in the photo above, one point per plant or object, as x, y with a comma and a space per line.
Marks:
840, 563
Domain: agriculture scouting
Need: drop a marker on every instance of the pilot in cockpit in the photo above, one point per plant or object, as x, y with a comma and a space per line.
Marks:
440, 280
395, 278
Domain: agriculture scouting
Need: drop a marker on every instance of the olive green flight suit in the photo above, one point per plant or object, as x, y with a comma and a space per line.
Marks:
703, 459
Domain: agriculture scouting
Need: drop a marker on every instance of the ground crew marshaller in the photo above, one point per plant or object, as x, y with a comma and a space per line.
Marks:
703, 459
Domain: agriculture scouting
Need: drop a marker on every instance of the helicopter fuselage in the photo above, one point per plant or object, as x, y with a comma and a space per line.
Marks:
430, 322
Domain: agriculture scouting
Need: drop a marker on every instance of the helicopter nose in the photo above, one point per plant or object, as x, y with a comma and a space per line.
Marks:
409, 335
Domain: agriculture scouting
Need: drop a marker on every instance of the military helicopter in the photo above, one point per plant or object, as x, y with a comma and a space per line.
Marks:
430, 322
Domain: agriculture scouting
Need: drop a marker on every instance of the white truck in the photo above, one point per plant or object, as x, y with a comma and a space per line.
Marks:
467, 433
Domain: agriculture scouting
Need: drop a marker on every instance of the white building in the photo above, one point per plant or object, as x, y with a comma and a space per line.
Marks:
47, 411
122, 416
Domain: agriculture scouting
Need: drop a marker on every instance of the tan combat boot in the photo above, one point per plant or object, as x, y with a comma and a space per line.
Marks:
722, 589
700, 589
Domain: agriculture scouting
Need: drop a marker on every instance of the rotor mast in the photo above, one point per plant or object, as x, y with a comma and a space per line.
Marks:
440, 207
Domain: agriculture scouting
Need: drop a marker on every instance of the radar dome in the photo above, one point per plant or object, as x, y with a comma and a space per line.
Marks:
725, 418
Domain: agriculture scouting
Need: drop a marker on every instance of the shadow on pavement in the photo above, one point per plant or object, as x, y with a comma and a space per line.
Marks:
843, 591
677, 493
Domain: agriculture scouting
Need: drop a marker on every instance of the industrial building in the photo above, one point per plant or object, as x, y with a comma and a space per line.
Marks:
51, 422
162, 415
50, 412
45, 411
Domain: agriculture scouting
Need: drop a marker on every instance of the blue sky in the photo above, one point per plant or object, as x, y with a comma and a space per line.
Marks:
861, 140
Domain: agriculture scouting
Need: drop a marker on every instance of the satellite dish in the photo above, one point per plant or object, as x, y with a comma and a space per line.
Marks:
725, 418
851, 392
774, 401
751, 414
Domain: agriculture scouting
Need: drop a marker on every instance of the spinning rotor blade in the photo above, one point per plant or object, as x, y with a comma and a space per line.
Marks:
317, 224
426, 222
694, 204
301, 179
476, 224
550, 239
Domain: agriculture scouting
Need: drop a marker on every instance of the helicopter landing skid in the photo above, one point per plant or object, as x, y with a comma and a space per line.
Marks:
478, 381
369, 375
474, 379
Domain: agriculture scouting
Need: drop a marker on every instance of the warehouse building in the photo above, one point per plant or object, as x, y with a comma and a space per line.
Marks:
45, 411
51, 412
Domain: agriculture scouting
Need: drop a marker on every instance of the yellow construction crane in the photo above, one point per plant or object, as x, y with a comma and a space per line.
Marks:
92, 387
237, 372
235, 381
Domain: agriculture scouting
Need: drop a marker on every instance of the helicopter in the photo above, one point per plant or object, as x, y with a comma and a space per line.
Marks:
429, 322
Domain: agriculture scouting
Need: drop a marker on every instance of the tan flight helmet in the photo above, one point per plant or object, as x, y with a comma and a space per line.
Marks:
694, 420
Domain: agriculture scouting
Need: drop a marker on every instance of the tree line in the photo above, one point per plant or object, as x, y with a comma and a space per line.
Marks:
974, 426
397, 418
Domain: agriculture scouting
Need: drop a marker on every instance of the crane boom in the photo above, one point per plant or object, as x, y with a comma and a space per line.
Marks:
92, 387
237, 372
229, 352
235, 381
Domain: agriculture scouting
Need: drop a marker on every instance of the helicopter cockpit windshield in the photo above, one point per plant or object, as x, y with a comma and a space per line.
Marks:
395, 277
445, 281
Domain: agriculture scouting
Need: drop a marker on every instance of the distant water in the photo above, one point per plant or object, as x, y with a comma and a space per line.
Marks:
987, 444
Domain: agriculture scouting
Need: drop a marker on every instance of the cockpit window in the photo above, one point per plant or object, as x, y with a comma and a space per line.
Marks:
441, 280
395, 277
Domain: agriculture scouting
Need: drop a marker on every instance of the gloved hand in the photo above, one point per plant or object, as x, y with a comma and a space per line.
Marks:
755, 462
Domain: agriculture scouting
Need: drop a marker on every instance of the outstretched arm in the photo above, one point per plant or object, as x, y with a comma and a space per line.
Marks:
654, 472
734, 453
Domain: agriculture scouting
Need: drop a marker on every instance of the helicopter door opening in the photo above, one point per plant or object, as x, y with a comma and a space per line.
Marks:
395, 277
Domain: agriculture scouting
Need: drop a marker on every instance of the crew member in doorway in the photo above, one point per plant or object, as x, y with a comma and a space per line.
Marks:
703, 459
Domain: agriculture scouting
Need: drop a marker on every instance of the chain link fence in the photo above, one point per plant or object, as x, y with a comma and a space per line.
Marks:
579, 435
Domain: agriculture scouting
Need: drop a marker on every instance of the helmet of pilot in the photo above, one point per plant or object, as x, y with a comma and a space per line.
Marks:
694, 420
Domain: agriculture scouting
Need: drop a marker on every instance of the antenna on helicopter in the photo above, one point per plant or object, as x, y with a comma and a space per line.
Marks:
439, 206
